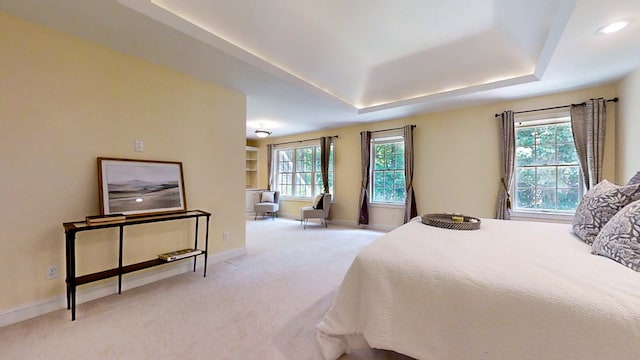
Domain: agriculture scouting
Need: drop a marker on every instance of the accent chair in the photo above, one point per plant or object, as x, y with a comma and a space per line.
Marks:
268, 204
318, 210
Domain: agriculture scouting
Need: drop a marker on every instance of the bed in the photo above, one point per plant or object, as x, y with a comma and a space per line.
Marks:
510, 290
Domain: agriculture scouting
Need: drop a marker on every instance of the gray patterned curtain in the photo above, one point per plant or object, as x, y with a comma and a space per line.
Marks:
410, 209
507, 155
365, 160
270, 149
325, 148
588, 124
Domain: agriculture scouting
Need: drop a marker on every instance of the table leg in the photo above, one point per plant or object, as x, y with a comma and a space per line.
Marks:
71, 272
195, 246
206, 247
120, 260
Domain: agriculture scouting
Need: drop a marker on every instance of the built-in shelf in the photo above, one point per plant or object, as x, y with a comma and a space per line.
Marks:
251, 167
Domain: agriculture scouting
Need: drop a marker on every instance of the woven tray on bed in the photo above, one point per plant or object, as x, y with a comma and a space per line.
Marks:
451, 221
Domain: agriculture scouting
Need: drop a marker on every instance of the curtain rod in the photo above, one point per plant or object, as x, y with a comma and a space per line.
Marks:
398, 128
299, 141
556, 107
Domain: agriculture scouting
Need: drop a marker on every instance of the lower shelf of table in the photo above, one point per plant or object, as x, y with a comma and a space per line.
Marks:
105, 274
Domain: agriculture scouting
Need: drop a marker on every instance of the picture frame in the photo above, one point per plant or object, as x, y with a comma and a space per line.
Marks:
140, 187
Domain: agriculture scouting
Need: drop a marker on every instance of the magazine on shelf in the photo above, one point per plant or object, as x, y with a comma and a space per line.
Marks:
180, 254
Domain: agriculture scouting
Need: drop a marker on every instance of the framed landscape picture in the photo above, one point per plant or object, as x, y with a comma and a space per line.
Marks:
140, 187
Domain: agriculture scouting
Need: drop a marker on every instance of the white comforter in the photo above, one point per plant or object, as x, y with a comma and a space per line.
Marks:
508, 291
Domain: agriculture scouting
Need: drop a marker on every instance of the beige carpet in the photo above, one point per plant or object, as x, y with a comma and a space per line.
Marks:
261, 306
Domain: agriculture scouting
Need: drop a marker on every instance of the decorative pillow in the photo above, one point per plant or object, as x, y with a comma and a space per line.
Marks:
267, 196
317, 202
619, 239
635, 179
599, 205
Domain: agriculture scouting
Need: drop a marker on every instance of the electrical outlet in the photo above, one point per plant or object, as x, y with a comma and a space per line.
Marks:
52, 272
138, 145
225, 236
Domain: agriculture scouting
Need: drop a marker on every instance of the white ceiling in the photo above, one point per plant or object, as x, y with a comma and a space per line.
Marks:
317, 64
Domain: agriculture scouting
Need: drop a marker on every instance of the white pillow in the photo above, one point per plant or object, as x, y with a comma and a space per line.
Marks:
267, 196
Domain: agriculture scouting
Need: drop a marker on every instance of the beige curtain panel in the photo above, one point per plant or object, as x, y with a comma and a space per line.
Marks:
588, 123
507, 157
270, 149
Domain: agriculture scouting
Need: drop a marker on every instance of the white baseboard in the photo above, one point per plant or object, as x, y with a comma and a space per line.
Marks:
91, 292
379, 227
353, 224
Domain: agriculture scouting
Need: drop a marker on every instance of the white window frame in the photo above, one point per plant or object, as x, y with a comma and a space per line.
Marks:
315, 188
542, 214
382, 138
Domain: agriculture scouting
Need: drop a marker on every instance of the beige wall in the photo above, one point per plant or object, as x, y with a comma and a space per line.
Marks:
457, 159
64, 102
628, 134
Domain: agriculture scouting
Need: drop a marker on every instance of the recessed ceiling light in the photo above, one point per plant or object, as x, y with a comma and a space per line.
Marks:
615, 26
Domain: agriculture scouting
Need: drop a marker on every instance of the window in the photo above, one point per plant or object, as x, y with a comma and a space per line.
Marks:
298, 171
547, 172
387, 170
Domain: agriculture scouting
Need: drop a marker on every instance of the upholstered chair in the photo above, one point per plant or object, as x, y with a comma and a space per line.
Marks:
318, 210
268, 204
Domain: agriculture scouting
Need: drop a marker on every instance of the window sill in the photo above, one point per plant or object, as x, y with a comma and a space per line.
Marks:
302, 199
541, 216
387, 205
296, 198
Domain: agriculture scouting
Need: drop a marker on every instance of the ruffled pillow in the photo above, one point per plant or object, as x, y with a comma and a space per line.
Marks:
619, 239
599, 205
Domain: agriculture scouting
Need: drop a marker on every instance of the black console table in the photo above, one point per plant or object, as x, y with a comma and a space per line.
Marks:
72, 228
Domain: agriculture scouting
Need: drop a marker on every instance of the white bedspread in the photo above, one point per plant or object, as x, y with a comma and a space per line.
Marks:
509, 291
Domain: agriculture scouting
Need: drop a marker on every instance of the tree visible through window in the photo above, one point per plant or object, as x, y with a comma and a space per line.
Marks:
298, 171
547, 173
387, 170
303, 172
284, 178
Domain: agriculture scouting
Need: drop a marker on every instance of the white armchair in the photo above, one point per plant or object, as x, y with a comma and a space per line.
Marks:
268, 204
319, 210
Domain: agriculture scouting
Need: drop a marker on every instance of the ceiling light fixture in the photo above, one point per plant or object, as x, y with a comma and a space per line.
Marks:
262, 133
614, 27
